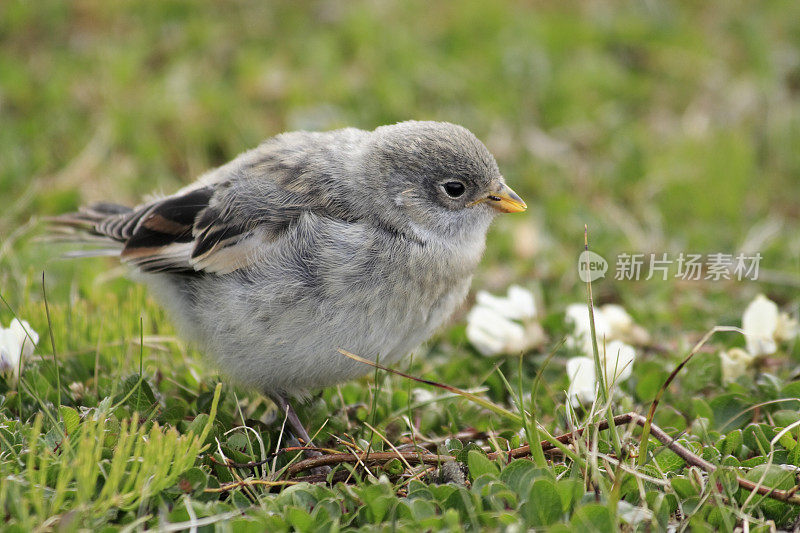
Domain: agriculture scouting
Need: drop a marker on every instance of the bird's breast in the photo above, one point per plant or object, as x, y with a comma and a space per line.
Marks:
380, 282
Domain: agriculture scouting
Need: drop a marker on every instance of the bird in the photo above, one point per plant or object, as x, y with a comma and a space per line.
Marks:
312, 243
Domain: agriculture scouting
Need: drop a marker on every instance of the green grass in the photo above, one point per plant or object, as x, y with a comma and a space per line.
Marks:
666, 127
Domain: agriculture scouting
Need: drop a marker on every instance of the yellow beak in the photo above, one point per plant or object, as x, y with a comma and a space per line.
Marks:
505, 200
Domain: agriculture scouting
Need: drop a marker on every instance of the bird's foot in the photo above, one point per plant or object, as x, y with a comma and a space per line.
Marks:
300, 432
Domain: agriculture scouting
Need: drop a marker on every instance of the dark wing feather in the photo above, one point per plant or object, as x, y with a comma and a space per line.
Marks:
158, 236
185, 233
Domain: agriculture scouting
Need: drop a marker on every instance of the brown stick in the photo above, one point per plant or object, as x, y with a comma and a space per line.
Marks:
253, 464
374, 457
524, 451
691, 458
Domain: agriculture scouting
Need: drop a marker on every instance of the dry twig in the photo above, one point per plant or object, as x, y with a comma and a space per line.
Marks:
659, 434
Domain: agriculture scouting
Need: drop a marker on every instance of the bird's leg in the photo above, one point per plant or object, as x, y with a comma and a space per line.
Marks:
298, 430
291, 418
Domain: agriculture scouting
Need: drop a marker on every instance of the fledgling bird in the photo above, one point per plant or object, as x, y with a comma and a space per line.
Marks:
313, 242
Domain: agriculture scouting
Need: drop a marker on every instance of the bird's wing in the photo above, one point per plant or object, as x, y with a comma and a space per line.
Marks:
197, 231
218, 224
192, 231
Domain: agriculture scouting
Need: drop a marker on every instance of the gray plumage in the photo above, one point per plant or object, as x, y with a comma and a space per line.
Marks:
314, 242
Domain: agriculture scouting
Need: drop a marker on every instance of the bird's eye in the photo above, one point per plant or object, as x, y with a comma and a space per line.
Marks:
454, 189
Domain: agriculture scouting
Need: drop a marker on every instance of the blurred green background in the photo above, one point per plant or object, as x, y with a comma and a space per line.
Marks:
666, 127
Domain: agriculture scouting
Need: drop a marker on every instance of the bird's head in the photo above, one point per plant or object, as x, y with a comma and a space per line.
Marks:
440, 177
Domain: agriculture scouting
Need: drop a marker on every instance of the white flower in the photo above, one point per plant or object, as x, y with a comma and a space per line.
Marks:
611, 322
614, 328
78, 389
582, 384
763, 326
760, 322
788, 328
519, 303
581, 339
617, 359
16, 342
504, 324
734, 363
622, 327
619, 321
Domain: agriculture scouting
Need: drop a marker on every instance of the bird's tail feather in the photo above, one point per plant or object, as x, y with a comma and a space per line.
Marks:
89, 216
99, 252
81, 227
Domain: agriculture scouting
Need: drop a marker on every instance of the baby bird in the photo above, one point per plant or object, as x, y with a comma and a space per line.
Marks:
310, 243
